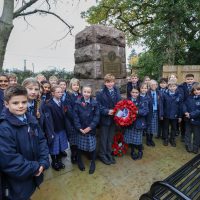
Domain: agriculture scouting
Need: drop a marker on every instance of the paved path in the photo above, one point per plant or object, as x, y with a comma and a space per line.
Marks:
127, 179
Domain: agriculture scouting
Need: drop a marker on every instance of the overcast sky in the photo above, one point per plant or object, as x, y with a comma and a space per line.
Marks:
35, 43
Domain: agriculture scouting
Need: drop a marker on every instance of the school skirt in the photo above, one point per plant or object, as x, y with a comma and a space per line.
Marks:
133, 136
86, 142
59, 144
153, 126
73, 136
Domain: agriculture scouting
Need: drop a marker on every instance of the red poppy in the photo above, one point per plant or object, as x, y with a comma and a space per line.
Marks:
119, 146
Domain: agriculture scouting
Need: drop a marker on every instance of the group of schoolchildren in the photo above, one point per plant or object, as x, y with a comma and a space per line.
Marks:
43, 117
165, 109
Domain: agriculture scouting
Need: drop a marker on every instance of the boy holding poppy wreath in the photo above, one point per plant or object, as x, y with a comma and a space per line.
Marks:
107, 98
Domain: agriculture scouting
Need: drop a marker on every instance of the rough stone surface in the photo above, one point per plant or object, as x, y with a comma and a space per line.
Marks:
99, 34
100, 50
94, 52
93, 69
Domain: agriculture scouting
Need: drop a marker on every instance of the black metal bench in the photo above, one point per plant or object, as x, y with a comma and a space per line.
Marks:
183, 184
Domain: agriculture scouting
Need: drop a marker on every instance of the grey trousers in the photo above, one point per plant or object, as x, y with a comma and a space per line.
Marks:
192, 142
106, 139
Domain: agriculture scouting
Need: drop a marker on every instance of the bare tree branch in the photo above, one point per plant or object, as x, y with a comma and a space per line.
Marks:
23, 8
46, 12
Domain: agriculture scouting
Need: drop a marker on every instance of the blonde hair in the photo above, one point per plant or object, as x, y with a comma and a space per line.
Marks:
134, 75
53, 78
73, 81
109, 78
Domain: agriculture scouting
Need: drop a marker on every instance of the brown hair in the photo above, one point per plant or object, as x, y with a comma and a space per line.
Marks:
53, 89
15, 90
189, 75
196, 86
109, 78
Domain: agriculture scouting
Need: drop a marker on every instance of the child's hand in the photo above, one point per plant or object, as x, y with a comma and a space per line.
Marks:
82, 131
88, 129
110, 112
41, 169
187, 115
179, 120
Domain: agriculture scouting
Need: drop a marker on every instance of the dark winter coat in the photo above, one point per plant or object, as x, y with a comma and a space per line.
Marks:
1, 100
183, 88
55, 119
192, 106
86, 115
23, 150
106, 103
172, 105
142, 103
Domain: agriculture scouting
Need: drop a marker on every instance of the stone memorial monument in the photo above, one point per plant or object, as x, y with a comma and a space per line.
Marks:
99, 50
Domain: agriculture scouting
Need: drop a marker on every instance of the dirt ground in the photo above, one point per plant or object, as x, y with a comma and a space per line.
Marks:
127, 179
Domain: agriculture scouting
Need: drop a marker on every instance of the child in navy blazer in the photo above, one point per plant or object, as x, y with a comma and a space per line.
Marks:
191, 110
185, 88
162, 88
56, 129
24, 151
133, 134
172, 102
134, 83
72, 95
86, 118
107, 99
155, 113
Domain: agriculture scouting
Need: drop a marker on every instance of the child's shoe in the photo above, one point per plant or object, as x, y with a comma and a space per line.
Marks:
61, 165
188, 149
134, 156
173, 143
92, 167
195, 151
165, 142
55, 166
140, 155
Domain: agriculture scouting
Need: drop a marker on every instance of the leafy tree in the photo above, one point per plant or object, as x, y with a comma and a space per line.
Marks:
14, 9
168, 28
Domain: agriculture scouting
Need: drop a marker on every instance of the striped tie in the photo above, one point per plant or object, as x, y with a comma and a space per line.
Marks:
112, 94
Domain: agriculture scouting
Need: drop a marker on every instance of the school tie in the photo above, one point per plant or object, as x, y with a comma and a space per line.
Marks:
112, 94
189, 87
24, 120
59, 103
31, 109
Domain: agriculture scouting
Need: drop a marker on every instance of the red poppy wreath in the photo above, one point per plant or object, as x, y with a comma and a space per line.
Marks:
119, 146
125, 113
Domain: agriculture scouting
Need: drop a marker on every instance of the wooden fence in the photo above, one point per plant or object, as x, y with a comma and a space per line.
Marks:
181, 70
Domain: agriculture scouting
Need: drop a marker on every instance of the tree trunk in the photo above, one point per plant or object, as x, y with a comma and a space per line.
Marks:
6, 25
